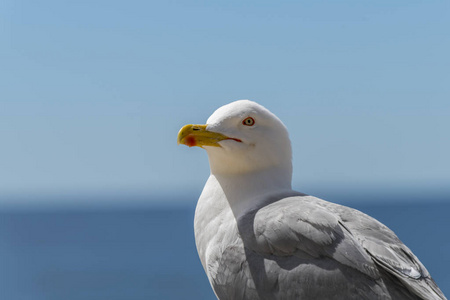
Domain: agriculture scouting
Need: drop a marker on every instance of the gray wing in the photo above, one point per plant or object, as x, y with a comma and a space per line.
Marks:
303, 228
306, 231
388, 252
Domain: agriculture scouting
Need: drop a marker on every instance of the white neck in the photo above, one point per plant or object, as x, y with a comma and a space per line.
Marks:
246, 190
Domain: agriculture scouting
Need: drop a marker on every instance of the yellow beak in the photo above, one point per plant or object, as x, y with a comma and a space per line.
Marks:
197, 135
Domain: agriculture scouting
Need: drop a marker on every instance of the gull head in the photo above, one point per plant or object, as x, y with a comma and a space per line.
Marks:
241, 137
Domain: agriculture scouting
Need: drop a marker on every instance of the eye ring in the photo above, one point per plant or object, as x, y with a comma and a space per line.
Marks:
249, 121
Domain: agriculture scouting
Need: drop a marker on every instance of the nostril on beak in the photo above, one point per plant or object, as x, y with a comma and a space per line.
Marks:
195, 128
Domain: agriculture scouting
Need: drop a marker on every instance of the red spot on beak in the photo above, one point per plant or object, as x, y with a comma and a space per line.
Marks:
190, 141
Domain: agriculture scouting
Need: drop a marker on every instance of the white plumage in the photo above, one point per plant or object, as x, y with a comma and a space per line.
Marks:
259, 239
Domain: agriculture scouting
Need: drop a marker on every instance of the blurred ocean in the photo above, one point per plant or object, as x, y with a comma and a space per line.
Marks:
149, 252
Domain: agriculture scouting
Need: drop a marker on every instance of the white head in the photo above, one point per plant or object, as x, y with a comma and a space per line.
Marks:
242, 137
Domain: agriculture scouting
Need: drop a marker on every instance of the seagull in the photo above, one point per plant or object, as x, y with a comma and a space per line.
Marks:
259, 239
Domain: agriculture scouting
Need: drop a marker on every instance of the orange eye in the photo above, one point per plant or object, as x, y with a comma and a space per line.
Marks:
248, 121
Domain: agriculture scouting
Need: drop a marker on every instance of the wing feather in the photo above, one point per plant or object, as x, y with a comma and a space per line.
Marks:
291, 226
305, 225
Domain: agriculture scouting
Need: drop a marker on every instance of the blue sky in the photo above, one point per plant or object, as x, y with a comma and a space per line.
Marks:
93, 93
